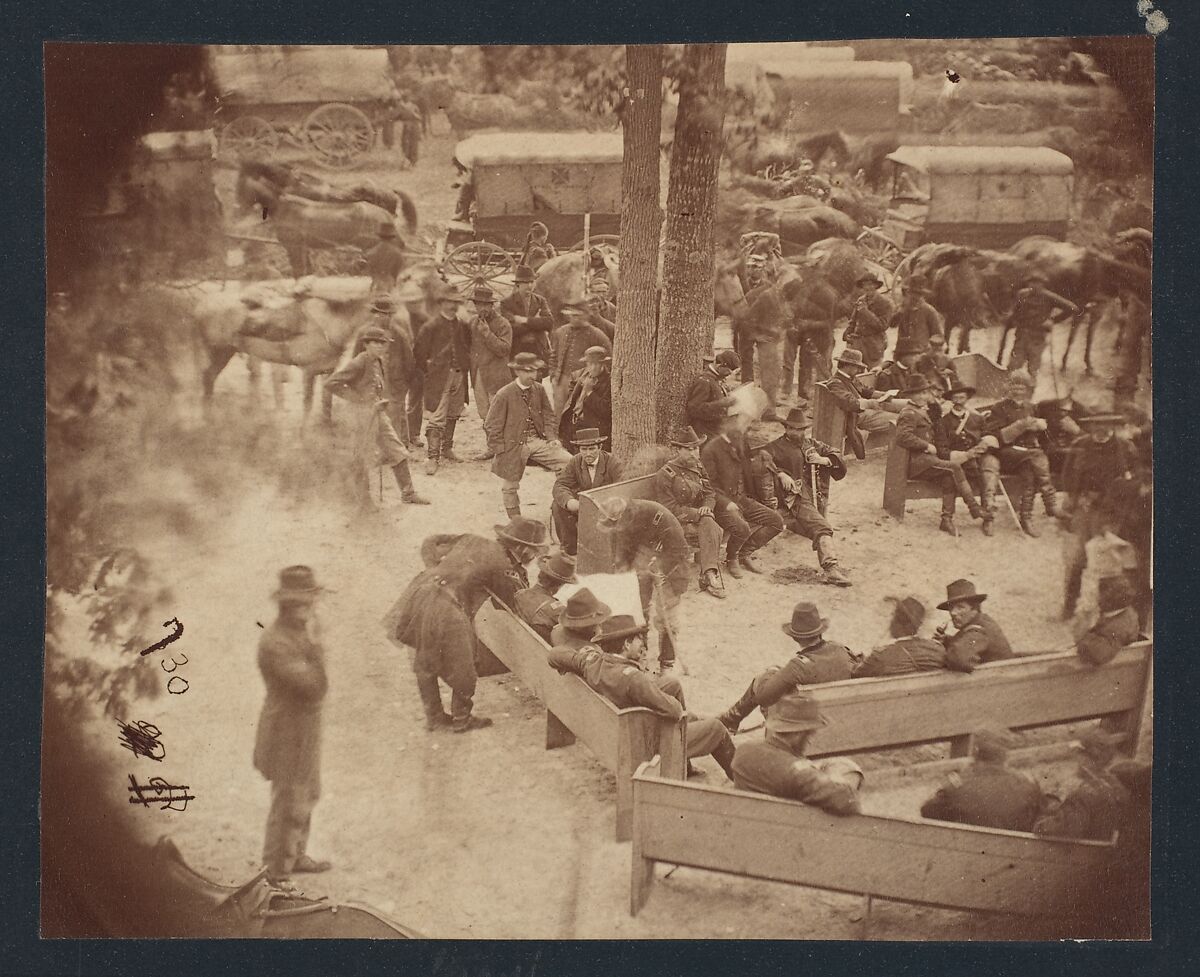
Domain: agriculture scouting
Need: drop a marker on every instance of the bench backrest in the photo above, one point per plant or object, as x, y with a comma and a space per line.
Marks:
829, 420
1018, 693
909, 860
976, 370
595, 552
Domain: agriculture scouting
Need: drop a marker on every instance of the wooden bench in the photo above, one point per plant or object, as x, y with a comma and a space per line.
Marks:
976, 370
866, 714
930, 863
830, 422
594, 553
620, 738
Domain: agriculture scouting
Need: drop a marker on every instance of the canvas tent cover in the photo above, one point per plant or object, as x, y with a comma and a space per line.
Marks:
1037, 160
516, 148
311, 74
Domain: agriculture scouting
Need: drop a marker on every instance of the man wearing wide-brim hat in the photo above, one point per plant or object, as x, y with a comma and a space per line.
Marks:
520, 429
916, 319
363, 384
434, 617
589, 401
866, 330
803, 469
571, 341
591, 467
683, 486
815, 661
1094, 809
709, 395
1017, 436
1031, 313
491, 348
577, 621
959, 431
1115, 625
287, 744
442, 353
1100, 476
978, 637
385, 260
530, 315
611, 664
538, 606
987, 793
645, 537
915, 433
776, 764
863, 411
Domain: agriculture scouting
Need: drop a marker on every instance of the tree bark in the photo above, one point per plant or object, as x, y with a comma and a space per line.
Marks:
633, 367
686, 330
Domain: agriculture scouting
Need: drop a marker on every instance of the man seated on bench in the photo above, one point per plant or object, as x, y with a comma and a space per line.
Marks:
863, 412
937, 364
580, 617
895, 374
987, 793
537, 606
959, 437
978, 639
816, 661
915, 434
909, 652
611, 665
682, 486
591, 467
776, 765
1116, 626
1096, 806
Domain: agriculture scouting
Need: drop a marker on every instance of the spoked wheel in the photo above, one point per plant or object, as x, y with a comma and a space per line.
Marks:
337, 136
248, 136
612, 240
479, 263
878, 247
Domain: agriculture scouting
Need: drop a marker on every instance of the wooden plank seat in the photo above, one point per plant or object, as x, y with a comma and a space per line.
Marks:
912, 860
985, 375
830, 423
619, 738
865, 714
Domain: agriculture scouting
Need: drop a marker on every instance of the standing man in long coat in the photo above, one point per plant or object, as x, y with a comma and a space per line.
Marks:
530, 315
491, 349
287, 745
589, 403
442, 355
708, 396
1030, 317
435, 614
519, 429
385, 260
571, 341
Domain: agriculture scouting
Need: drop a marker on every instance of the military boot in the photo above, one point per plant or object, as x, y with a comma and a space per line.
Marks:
1025, 512
710, 583
989, 510
448, 454
408, 491
831, 572
949, 498
514, 511
1050, 500
433, 450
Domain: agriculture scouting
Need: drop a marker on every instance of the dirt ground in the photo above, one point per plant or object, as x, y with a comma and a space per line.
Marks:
489, 835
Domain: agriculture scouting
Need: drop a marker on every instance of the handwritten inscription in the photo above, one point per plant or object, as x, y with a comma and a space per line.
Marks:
165, 795
175, 635
141, 739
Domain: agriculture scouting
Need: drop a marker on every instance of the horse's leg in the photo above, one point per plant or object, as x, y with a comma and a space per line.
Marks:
1070, 340
326, 404
964, 336
278, 379
1087, 344
1003, 341
217, 359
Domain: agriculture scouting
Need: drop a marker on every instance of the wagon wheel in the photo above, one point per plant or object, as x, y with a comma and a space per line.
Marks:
878, 247
479, 263
248, 136
337, 136
609, 239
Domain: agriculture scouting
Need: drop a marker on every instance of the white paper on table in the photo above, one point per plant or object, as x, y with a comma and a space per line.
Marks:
618, 590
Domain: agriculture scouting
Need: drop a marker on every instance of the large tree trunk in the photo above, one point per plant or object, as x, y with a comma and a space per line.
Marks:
686, 331
633, 368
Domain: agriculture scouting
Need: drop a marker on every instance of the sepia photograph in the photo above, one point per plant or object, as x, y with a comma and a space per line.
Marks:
572, 492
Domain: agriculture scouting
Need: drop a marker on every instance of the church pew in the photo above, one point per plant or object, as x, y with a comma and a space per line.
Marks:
912, 860
619, 738
829, 423
976, 370
594, 553
865, 714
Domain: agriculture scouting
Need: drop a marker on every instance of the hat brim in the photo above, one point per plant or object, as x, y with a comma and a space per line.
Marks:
588, 621
970, 599
501, 534
589, 441
787, 629
283, 594
687, 444
514, 365
625, 633
969, 391
544, 567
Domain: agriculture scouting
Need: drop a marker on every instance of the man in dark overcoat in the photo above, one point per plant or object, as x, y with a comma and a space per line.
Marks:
590, 468
538, 606
908, 652
287, 745
1016, 435
385, 260
530, 315
442, 352
491, 349
589, 401
520, 429
434, 617
978, 637
708, 396
987, 793
863, 411
1031, 318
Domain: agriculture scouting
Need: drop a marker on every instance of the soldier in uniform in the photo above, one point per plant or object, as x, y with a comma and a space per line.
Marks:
612, 666
895, 374
647, 538
978, 638
683, 487
530, 315
803, 467
435, 615
443, 358
708, 397
863, 412
916, 433
402, 373
916, 320
987, 793
590, 468
1115, 626
816, 661
1095, 807
537, 606
491, 349
937, 364
578, 620
959, 437
1030, 317
909, 652
1099, 476
363, 383
385, 260
287, 745
750, 524
866, 331
776, 764
1013, 431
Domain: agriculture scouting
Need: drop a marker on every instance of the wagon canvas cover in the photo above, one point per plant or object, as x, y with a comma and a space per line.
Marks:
312, 74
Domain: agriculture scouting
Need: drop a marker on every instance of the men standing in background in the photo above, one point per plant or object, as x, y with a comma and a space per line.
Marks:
443, 358
491, 348
529, 315
1030, 317
385, 260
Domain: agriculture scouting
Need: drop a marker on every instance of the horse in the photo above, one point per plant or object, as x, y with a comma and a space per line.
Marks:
561, 279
